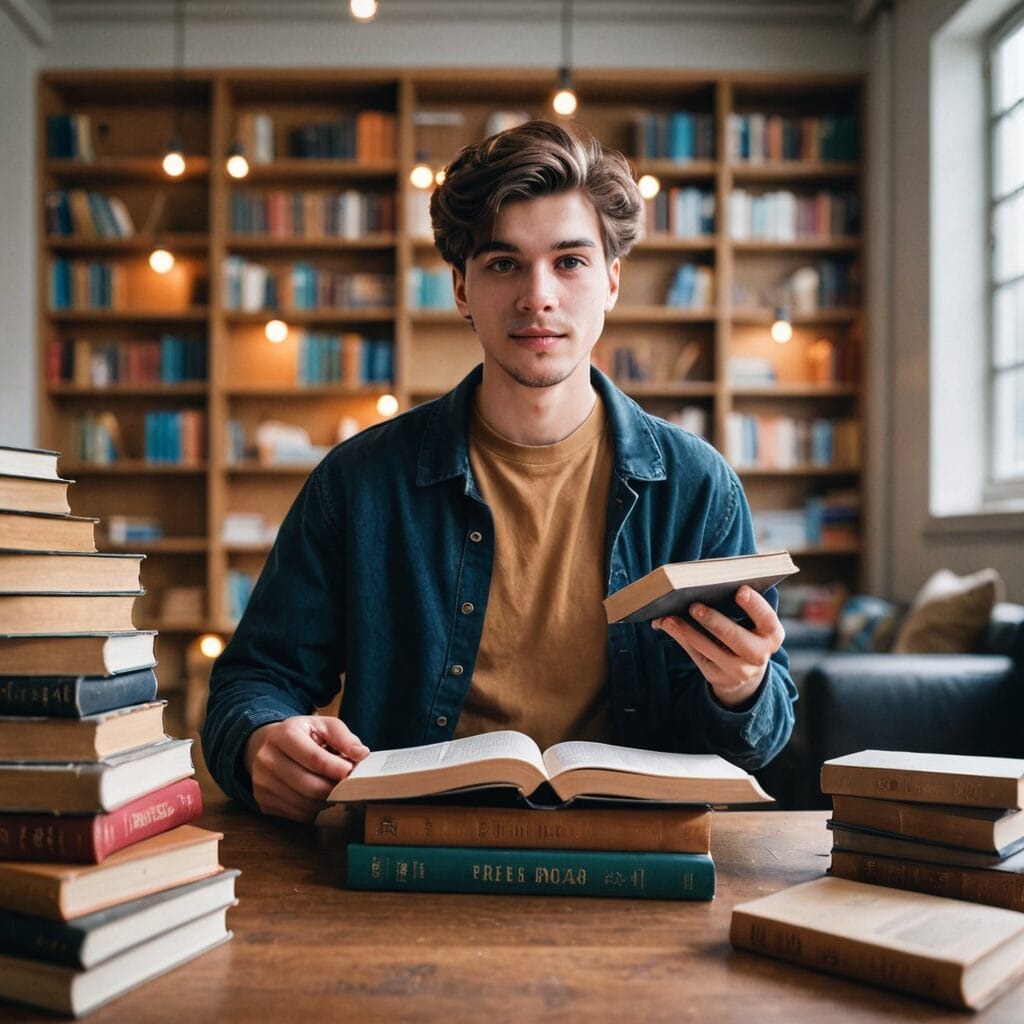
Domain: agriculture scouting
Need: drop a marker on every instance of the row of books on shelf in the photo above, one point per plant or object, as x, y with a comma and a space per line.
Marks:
830, 520
924, 888
692, 287
169, 436
344, 358
248, 528
83, 213
252, 287
681, 135
644, 362
106, 878
767, 441
430, 288
681, 212
785, 216
277, 213
169, 359
756, 137
69, 137
364, 136
85, 284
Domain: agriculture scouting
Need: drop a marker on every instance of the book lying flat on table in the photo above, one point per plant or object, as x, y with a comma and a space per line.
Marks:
39, 531
572, 769
987, 829
83, 787
93, 938
40, 463
29, 494
965, 779
39, 613
626, 874
68, 654
81, 739
91, 838
886, 844
72, 572
941, 949
75, 696
65, 990
65, 891
649, 829
672, 588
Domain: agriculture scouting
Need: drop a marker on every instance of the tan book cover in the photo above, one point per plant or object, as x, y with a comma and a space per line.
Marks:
39, 531
72, 572
73, 654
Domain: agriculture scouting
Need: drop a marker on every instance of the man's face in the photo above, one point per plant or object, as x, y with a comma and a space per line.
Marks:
538, 289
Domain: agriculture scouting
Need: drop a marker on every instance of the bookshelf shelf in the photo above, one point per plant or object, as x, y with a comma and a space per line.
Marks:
689, 361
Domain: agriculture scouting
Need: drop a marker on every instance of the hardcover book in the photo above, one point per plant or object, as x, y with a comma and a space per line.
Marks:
887, 844
668, 876
672, 588
940, 949
40, 463
93, 938
968, 780
85, 613
30, 494
91, 838
65, 891
75, 696
86, 786
990, 830
40, 531
572, 769
69, 572
81, 739
68, 654
667, 829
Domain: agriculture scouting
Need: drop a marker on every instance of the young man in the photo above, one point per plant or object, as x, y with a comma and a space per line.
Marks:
452, 562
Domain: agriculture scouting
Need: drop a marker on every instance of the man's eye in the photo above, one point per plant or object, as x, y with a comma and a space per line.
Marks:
502, 266
572, 263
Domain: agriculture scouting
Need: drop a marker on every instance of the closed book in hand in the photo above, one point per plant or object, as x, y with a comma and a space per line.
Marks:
672, 588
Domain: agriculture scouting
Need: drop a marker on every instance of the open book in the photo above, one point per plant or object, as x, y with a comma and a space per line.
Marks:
574, 768
672, 588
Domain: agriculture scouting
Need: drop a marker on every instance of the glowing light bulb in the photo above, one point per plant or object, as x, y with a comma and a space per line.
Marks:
649, 186
421, 176
161, 261
210, 645
387, 405
782, 330
439, 177
363, 10
276, 331
237, 166
564, 102
174, 163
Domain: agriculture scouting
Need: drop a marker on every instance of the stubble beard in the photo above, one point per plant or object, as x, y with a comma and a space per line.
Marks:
540, 378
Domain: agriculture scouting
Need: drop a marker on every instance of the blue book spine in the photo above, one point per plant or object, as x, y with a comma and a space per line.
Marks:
673, 876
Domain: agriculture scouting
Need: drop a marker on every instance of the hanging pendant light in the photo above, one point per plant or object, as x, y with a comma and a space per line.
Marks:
564, 101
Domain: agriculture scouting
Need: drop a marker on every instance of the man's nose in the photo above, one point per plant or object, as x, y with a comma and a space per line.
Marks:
538, 292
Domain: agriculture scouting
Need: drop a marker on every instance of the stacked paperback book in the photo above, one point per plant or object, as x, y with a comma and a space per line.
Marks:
926, 879
104, 880
492, 814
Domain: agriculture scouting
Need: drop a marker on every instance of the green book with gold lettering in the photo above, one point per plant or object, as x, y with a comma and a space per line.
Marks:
661, 876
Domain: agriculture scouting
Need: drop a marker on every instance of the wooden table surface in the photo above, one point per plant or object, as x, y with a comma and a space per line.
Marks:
305, 949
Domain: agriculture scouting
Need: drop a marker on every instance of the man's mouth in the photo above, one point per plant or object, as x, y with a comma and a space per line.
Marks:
537, 339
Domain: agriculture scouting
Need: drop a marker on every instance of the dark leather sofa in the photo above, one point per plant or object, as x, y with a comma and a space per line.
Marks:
943, 703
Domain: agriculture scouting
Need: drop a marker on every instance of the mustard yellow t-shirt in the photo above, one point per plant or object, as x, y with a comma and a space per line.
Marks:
542, 667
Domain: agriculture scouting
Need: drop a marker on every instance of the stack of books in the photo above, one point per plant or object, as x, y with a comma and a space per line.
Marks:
920, 842
581, 818
104, 881
950, 825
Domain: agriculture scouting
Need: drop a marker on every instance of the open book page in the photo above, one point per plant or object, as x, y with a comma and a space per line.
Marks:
506, 745
585, 754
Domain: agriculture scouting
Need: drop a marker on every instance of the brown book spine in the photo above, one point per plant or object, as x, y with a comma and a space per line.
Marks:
679, 830
920, 787
834, 954
977, 885
89, 838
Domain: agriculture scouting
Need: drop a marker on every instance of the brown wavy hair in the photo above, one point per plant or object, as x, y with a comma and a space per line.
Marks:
538, 158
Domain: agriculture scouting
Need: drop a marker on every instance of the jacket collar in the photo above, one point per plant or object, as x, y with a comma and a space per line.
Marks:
444, 450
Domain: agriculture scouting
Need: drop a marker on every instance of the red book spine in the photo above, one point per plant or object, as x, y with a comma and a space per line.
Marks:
89, 838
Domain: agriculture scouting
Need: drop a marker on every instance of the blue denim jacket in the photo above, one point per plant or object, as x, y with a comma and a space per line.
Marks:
381, 571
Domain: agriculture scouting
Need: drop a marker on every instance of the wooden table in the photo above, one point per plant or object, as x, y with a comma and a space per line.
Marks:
305, 949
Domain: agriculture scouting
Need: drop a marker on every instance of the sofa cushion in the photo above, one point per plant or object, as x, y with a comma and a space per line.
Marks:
949, 613
866, 624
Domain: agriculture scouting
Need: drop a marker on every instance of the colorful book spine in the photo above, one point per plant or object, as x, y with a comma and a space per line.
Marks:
671, 876
74, 696
90, 838
676, 830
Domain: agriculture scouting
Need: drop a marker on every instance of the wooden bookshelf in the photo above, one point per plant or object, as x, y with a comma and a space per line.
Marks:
344, 222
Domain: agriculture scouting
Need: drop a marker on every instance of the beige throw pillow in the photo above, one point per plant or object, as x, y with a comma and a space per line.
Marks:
949, 613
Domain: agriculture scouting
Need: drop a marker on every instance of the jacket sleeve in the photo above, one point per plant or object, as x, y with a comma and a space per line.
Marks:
287, 653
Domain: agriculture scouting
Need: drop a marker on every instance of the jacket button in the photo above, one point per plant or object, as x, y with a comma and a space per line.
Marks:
468, 608
476, 536
456, 670
441, 720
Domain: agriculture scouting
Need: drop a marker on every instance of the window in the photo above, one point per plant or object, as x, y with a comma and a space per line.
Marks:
1006, 358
